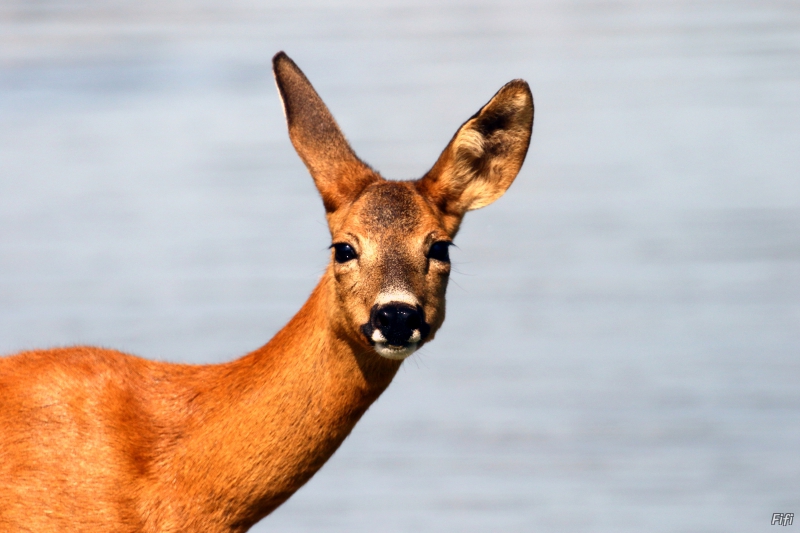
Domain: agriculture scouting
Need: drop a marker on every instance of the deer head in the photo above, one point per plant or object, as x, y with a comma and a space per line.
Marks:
390, 239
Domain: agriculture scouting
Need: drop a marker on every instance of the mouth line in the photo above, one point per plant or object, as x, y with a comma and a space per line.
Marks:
396, 353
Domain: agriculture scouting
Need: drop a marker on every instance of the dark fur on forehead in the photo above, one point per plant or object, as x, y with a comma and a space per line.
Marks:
391, 204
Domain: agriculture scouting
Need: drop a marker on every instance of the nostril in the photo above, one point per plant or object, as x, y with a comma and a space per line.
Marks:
413, 321
385, 317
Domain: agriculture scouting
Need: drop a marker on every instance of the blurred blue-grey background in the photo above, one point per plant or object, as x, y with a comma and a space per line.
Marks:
622, 347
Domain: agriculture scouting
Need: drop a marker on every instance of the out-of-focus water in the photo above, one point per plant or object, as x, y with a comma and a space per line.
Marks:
622, 347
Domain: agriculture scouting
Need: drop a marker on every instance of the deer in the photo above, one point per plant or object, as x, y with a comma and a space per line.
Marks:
96, 440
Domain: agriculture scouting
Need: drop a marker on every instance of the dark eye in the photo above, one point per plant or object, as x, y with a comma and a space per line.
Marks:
440, 251
343, 252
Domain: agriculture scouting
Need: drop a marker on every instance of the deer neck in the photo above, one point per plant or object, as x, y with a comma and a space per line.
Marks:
281, 411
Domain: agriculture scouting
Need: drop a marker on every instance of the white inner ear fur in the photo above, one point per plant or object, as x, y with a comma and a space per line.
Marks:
519, 100
470, 141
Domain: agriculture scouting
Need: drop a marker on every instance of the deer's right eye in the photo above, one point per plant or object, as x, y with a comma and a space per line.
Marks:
343, 252
440, 251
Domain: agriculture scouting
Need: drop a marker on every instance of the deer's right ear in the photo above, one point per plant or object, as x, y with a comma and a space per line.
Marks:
483, 157
338, 173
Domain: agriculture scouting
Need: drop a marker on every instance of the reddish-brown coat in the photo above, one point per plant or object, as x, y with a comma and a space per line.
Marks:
95, 440
105, 441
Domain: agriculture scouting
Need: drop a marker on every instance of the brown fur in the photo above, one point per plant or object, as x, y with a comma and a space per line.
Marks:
96, 440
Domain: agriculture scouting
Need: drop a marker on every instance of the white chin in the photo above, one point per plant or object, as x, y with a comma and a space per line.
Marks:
395, 352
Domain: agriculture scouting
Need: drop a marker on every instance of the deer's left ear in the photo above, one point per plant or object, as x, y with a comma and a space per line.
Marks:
484, 156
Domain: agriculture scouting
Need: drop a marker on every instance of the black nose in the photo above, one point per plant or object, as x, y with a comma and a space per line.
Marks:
397, 323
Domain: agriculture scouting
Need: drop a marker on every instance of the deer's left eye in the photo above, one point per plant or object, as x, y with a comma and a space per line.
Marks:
343, 252
440, 251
